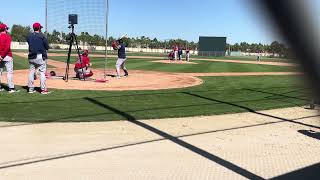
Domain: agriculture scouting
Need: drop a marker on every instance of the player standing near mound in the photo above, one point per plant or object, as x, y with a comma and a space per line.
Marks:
180, 53
121, 62
187, 54
6, 57
175, 49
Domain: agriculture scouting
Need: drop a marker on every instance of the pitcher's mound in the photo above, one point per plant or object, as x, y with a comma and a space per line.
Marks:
137, 80
174, 62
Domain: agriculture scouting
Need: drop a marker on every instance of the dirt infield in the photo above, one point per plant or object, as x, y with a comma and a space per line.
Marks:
138, 80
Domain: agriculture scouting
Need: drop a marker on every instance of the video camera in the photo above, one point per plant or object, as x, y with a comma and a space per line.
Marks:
73, 19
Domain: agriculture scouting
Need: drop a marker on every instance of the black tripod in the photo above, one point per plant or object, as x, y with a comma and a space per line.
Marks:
73, 41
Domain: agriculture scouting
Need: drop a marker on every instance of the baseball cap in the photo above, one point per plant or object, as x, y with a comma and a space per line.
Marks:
3, 27
37, 26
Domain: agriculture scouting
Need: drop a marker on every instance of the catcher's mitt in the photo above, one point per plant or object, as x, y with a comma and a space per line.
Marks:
52, 73
114, 45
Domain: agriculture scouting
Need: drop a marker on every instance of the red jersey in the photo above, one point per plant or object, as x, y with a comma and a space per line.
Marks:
85, 62
5, 45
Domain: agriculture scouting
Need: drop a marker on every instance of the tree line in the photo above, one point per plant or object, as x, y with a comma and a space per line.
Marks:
19, 33
275, 48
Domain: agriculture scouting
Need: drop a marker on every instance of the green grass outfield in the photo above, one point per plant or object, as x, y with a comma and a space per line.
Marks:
201, 67
20, 63
165, 55
217, 95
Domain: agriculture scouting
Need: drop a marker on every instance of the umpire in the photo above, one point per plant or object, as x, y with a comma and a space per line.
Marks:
38, 46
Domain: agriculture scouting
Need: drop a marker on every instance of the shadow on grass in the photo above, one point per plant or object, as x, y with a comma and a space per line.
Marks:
279, 94
74, 118
151, 94
4, 86
215, 102
253, 111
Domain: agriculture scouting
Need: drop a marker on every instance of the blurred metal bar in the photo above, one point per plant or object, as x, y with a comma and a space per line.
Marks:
107, 26
293, 20
46, 20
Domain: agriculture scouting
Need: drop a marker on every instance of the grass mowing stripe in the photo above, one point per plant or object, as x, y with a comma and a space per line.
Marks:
72, 106
201, 67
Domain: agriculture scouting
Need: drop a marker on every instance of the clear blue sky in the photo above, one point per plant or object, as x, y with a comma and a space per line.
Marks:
164, 19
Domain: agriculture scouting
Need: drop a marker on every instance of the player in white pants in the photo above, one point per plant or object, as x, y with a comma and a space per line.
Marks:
7, 62
41, 65
121, 58
38, 46
6, 59
176, 49
187, 54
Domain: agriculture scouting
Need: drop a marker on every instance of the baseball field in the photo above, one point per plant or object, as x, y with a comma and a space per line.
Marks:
156, 90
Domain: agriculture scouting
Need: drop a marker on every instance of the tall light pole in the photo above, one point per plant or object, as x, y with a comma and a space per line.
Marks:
46, 20
107, 22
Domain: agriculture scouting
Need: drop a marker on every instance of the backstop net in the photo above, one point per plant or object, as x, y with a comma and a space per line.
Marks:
91, 29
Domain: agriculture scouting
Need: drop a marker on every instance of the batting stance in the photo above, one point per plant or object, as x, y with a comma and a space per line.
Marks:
38, 46
6, 59
120, 46
82, 66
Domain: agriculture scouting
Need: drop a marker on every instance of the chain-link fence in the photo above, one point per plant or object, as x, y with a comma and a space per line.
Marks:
211, 53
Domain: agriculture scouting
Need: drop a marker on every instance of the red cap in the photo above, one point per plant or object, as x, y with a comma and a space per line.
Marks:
37, 26
3, 27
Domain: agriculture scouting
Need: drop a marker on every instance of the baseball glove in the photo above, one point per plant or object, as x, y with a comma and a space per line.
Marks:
52, 73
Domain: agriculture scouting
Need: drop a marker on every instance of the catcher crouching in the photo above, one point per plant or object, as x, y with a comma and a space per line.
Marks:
82, 66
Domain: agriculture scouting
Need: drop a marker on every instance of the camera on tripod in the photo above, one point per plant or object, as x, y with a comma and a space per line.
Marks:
73, 19
72, 40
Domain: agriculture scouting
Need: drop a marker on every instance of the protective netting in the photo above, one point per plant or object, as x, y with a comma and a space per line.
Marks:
92, 20
91, 29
